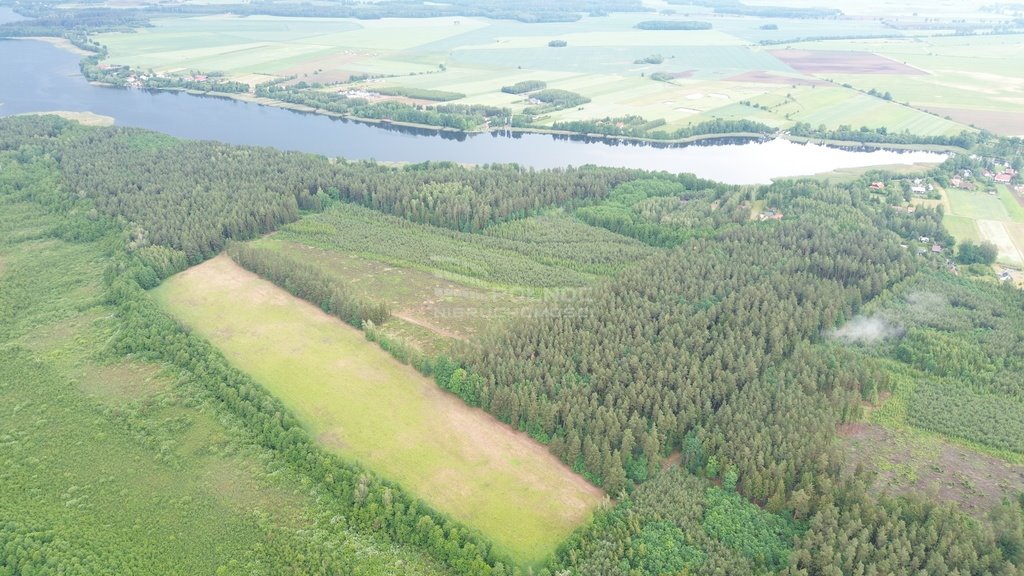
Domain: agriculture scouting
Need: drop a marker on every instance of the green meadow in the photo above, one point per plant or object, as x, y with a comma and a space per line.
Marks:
361, 403
117, 465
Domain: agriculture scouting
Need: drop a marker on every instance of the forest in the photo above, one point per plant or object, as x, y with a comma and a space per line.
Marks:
696, 382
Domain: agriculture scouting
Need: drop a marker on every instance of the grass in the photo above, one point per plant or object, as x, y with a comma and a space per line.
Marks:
976, 205
962, 228
978, 216
1013, 208
359, 402
124, 466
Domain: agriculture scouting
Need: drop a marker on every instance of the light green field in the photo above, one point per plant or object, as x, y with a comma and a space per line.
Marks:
359, 402
1013, 207
976, 205
962, 228
979, 216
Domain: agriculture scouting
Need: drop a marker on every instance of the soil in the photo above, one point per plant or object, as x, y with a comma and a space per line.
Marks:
1005, 123
841, 62
906, 462
761, 77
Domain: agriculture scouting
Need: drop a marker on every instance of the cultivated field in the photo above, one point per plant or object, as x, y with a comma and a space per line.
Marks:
364, 405
979, 216
824, 82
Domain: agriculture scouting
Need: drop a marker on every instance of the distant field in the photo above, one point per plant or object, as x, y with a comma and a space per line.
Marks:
713, 69
359, 402
972, 79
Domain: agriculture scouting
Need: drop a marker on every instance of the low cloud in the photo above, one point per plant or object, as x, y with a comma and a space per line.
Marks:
866, 330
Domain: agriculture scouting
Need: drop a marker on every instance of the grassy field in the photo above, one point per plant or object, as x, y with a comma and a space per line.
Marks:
118, 466
967, 79
979, 216
362, 404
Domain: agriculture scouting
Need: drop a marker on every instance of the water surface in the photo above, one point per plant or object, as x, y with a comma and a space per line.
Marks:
38, 77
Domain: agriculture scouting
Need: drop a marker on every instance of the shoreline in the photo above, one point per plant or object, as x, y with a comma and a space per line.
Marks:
63, 43
610, 140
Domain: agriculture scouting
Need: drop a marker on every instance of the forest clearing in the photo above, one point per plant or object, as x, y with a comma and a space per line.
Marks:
361, 403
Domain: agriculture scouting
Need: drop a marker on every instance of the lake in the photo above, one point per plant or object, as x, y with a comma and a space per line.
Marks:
39, 77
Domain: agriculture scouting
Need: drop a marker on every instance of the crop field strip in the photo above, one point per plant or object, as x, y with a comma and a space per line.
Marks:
362, 404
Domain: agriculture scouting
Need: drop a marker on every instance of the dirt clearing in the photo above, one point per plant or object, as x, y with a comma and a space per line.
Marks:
908, 462
841, 62
761, 77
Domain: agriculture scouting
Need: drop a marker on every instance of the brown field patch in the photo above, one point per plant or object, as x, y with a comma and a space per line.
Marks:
842, 62
907, 462
762, 77
1004, 123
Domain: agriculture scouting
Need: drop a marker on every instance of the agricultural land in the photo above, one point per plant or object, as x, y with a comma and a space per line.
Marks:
912, 76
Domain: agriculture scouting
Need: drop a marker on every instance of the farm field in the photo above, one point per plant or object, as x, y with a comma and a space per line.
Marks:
710, 73
362, 404
967, 79
979, 216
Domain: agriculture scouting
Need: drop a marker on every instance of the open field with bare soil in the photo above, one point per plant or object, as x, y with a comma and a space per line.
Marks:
364, 405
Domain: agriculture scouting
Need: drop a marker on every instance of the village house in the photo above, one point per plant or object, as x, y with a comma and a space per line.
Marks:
936, 249
877, 186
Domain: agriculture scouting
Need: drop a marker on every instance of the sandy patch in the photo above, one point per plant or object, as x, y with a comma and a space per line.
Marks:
842, 62
62, 43
84, 118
